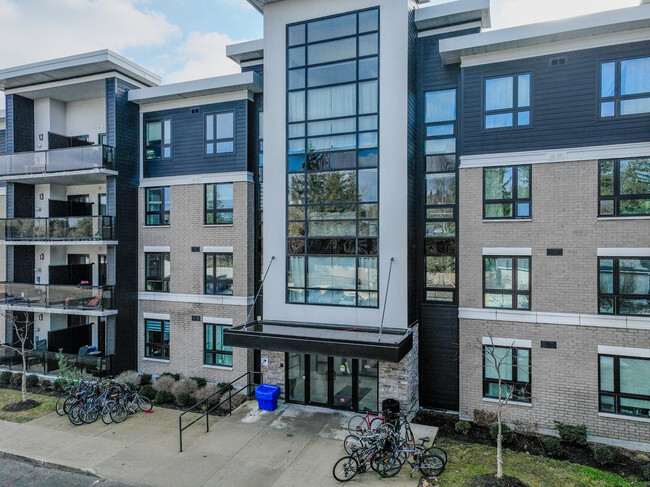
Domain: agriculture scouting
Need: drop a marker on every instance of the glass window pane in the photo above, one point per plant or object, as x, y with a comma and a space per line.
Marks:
296, 79
368, 68
441, 189
441, 272
634, 276
368, 190
167, 132
296, 272
330, 28
296, 295
606, 207
335, 101
606, 276
368, 45
498, 183
498, 273
368, 97
296, 130
495, 300
297, 146
369, 21
296, 57
523, 210
368, 140
297, 106
440, 163
296, 34
523, 365
209, 127
606, 178
523, 274
447, 213
607, 109
337, 142
154, 132
499, 93
498, 210
523, 90
607, 79
635, 76
333, 229
636, 407
607, 374
440, 229
631, 107
368, 123
634, 207
331, 272
523, 301
332, 74
225, 147
635, 176
635, 376
440, 106
523, 118
523, 182
440, 296
225, 196
332, 127
327, 52
437, 130
332, 187
296, 189
607, 404
634, 307
498, 361
498, 121
440, 146
368, 273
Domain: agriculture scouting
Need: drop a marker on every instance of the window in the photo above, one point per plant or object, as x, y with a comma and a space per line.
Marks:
625, 87
157, 272
506, 192
158, 139
220, 133
215, 352
624, 385
513, 365
332, 160
102, 139
624, 187
624, 286
157, 205
218, 274
507, 101
156, 339
102, 204
218, 203
506, 282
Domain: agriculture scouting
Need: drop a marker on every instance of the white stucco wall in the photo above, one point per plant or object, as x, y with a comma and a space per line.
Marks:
393, 84
87, 117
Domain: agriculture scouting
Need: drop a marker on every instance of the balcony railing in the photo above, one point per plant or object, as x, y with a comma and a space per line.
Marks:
59, 228
54, 296
42, 361
57, 160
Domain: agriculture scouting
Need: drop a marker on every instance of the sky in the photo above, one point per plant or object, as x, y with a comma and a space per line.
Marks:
186, 39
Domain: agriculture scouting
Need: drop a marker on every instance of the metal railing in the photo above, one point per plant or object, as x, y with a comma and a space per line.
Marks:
43, 361
58, 160
67, 228
230, 387
55, 296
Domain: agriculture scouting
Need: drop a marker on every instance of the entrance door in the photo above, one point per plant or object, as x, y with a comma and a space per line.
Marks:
330, 381
342, 383
319, 374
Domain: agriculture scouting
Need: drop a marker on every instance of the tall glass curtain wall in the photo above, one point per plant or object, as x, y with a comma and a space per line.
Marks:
332, 160
440, 196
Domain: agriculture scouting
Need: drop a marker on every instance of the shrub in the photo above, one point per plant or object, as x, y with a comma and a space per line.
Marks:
200, 381
163, 397
164, 383
187, 386
176, 377
645, 472
59, 385
604, 455
484, 418
46, 384
205, 392
226, 386
129, 377
16, 379
5, 377
145, 379
507, 434
237, 401
183, 399
553, 447
573, 435
463, 427
148, 391
32, 380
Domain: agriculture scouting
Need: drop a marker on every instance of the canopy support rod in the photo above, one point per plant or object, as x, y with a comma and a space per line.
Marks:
258, 292
383, 313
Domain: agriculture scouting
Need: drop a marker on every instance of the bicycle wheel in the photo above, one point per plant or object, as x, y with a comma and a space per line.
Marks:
144, 403
68, 403
74, 415
60, 405
408, 433
436, 450
345, 469
376, 423
357, 424
106, 412
90, 415
119, 413
388, 465
351, 444
431, 465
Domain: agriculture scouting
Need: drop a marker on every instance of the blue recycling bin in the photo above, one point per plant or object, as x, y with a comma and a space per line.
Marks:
267, 397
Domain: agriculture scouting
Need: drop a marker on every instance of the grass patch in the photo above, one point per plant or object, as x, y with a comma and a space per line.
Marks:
467, 460
8, 396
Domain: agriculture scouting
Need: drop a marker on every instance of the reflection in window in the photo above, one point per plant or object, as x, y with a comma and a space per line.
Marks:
214, 350
157, 206
219, 203
506, 282
218, 274
157, 272
632, 95
624, 286
624, 187
219, 133
158, 139
513, 366
507, 101
624, 385
156, 339
507, 192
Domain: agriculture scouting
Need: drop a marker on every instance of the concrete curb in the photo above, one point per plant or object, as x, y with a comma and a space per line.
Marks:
51, 465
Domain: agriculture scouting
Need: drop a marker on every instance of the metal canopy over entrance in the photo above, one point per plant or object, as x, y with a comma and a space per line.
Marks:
389, 344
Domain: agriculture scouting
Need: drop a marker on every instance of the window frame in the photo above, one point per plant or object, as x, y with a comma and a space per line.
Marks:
617, 98
214, 351
162, 213
215, 141
515, 109
162, 279
615, 296
616, 196
163, 347
214, 280
617, 394
216, 211
528, 386
163, 145
515, 194
514, 291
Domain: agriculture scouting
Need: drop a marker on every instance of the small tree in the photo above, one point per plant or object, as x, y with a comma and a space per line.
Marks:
22, 331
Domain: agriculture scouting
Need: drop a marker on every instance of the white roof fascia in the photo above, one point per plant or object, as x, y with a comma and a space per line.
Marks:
452, 13
246, 51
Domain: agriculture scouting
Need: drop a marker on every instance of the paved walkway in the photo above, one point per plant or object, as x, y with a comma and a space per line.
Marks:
292, 446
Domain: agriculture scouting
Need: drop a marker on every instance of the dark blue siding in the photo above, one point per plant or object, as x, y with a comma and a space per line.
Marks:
188, 141
20, 124
565, 104
3, 142
258, 68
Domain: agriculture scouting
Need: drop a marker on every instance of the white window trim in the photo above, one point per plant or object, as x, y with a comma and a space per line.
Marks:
623, 416
507, 251
217, 367
215, 249
162, 248
156, 316
160, 360
217, 321
624, 252
510, 403
623, 351
507, 342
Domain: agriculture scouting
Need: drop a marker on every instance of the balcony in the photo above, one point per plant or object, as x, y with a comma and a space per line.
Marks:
57, 160
47, 362
69, 228
85, 298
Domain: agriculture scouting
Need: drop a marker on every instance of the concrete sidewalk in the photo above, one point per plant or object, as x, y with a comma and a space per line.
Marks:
292, 446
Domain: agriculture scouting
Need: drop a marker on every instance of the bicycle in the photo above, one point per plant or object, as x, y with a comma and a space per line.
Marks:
423, 459
359, 423
358, 461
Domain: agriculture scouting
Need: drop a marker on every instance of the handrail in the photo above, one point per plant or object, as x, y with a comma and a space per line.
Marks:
57, 160
228, 387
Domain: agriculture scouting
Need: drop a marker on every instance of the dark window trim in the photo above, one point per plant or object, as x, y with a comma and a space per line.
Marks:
216, 211
162, 139
515, 110
616, 297
514, 291
515, 194
163, 213
616, 197
617, 394
617, 98
215, 351
162, 346
161, 278
527, 386
215, 140
214, 281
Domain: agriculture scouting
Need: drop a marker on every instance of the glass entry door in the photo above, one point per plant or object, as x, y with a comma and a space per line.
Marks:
319, 374
341, 374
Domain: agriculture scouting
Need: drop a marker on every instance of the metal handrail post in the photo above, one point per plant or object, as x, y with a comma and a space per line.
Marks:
180, 434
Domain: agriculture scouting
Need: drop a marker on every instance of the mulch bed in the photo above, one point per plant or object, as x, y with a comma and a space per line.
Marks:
19, 406
626, 462
492, 481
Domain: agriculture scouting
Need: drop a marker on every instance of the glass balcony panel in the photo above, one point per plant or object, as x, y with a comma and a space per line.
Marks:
57, 160
60, 228
55, 296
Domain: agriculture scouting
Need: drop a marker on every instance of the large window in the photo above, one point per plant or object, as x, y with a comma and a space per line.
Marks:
157, 206
513, 365
218, 203
158, 139
332, 160
507, 101
506, 282
624, 385
440, 200
625, 87
215, 352
218, 274
157, 272
624, 285
220, 133
506, 192
624, 187
156, 339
